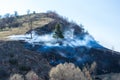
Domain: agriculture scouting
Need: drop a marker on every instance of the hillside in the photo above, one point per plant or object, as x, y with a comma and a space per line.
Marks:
20, 25
14, 58
20, 54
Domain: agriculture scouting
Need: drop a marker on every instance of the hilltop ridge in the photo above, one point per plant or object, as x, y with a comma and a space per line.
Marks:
78, 47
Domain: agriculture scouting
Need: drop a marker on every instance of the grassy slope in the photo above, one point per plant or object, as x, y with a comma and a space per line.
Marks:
39, 21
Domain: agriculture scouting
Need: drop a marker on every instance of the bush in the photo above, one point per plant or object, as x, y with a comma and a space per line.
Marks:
3, 73
31, 76
93, 68
12, 55
87, 73
58, 33
24, 68
13, 61
67, 71
16, 77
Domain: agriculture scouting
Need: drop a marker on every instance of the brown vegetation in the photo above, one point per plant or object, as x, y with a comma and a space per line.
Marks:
16, 77
68, 71
38, 21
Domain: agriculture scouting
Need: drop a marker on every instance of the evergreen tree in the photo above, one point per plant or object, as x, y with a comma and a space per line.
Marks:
57, 32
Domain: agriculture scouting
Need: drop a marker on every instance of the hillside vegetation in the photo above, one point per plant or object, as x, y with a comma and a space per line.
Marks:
14, 58
19, 25
20, 60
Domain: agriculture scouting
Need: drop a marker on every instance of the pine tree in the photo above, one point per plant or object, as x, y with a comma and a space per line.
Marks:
57, 32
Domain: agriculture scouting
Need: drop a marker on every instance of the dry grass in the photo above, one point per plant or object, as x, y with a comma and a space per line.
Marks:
24, 28
24, 60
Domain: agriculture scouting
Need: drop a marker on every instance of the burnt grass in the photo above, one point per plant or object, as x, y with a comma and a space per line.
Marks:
108, 61
14, 58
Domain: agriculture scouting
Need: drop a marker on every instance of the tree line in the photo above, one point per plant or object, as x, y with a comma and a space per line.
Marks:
11, 20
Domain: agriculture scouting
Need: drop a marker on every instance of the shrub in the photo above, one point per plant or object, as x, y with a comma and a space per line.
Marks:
13, 61
16, 77
31, 76
67, 71
90, 71
24, 68
93, 68
3, 73
12, 55
58, 33
87, 73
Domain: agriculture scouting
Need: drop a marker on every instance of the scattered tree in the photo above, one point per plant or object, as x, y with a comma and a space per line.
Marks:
28, 12
7, 15
29, 22
15, 13
30, 25
34, 12
57, 32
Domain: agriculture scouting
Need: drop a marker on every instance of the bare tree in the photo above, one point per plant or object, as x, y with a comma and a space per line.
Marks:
7, 15
28, 12
15, 13
29, 23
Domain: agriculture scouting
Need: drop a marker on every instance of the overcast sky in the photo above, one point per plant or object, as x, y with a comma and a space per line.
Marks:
101, 18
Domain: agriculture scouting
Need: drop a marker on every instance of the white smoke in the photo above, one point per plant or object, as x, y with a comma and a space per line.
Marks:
48, 40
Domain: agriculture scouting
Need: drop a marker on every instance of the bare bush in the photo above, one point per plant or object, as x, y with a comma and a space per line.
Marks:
16, 77
87, 73
93, 68
67, 71
31, 76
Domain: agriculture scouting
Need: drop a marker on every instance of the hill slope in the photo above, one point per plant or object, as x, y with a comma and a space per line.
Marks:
78, 47
20, 25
